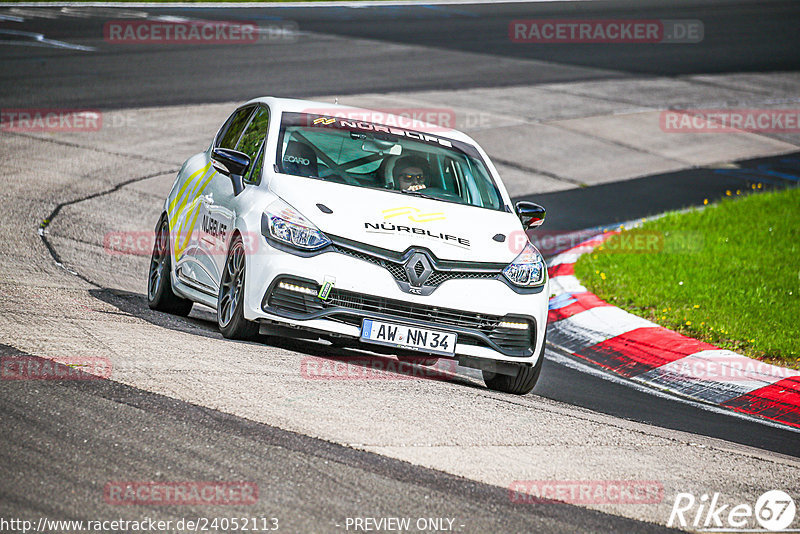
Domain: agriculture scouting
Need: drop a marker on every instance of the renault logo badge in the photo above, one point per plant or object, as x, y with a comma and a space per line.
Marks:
418, 268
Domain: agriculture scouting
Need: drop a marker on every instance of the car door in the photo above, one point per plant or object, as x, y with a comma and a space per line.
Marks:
220, 206
193, 228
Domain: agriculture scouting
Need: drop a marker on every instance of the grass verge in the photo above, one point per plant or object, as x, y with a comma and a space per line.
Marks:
728, 274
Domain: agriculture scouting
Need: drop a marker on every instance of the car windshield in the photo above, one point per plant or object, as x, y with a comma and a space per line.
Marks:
365, 154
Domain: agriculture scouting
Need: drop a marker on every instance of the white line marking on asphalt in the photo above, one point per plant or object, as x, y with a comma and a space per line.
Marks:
34, 13
170, 18
77, 13
38, 39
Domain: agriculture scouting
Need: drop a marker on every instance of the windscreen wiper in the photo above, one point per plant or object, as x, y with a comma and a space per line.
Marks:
431, 197
418, 194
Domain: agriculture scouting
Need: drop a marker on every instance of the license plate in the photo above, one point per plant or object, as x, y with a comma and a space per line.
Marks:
408, 337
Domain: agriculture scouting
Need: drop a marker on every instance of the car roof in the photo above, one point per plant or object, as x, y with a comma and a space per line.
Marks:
326, 108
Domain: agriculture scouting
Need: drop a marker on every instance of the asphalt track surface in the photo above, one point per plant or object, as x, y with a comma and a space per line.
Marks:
739, 37
69, 436
310, 485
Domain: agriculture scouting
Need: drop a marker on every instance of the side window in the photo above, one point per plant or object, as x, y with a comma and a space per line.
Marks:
453, 177
254, 176
255, 133
233, 128
253, 139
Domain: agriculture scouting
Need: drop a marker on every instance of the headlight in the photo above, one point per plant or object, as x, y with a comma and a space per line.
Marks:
528, 269
283, 223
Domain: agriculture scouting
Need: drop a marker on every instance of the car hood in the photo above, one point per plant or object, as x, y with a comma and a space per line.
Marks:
397, 222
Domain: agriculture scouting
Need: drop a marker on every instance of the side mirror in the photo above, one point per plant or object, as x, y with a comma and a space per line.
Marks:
531, 215
233, 164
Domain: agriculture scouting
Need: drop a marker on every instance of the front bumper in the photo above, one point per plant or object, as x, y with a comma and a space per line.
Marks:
485, 313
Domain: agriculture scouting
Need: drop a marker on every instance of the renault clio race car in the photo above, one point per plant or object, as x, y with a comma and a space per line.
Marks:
298, 220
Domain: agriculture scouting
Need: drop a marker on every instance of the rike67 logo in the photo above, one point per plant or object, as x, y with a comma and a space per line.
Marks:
774, 511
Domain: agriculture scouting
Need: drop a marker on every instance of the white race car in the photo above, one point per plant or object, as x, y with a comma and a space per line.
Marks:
303, 219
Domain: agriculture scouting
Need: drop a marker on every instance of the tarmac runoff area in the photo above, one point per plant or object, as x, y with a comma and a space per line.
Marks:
544, 139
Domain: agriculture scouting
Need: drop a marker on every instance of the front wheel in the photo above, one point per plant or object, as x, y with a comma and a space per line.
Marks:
230, 301
519, 384
160, 295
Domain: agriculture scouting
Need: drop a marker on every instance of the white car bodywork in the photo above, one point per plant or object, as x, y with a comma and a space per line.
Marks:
204, 215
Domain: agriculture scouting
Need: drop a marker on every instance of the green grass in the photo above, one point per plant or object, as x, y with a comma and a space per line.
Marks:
728, 274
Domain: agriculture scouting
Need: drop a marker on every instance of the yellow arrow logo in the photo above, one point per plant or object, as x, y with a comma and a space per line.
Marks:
414, 214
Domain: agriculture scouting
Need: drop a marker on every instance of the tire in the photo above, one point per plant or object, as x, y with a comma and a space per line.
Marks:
160, 295
520, 384
419, 360
230, 300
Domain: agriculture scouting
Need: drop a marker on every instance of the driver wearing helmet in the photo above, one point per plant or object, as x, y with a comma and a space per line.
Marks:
411, 173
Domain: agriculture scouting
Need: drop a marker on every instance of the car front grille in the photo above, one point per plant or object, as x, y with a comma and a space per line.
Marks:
397, 269
341, 304
441, 276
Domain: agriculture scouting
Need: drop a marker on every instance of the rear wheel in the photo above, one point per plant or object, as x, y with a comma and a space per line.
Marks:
160, 295
519, 384
230, 301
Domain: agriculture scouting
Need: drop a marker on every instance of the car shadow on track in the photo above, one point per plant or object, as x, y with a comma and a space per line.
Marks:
321, 361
